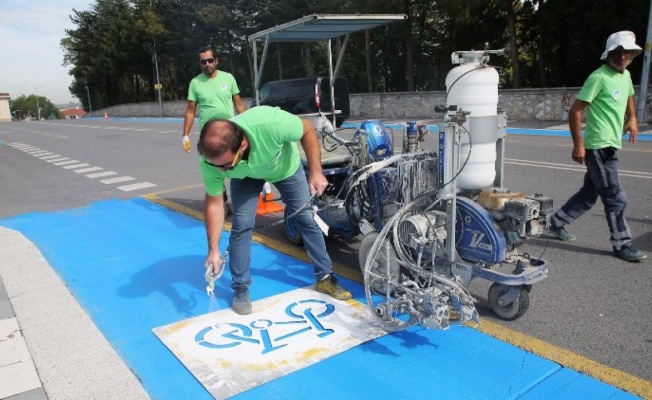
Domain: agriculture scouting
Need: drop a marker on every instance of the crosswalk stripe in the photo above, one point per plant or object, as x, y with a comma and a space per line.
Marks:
66, 162
136, 186
101, 174
59, 159
76, 166
91, 169
118, 180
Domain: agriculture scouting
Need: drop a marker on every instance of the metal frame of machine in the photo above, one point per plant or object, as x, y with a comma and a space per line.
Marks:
431, 221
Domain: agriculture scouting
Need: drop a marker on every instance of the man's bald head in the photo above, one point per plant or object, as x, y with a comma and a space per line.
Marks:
219, 136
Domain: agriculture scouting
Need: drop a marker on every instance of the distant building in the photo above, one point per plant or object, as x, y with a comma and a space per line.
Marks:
73, 113
5, 112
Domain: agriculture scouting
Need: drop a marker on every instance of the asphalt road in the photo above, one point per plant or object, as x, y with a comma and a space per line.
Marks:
592, 303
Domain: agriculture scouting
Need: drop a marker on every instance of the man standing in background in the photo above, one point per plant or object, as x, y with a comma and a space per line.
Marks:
215, 92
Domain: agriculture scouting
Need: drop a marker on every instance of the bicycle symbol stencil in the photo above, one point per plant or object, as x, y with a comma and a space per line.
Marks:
303, 318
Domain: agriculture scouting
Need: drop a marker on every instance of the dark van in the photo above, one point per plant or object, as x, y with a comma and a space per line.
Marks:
307, 95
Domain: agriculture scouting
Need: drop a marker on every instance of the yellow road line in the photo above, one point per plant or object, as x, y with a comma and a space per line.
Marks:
199, 185
566, 358
601, 372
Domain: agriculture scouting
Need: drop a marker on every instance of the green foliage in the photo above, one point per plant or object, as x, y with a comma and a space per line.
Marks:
113, 49
27, 107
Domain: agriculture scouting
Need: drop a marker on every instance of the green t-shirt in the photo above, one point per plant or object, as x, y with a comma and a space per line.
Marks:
214, 96
274, 154
607, 92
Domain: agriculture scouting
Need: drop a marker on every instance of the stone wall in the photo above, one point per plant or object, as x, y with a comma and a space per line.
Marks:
550, 104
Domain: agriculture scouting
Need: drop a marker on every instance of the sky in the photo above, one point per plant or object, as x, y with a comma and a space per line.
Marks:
31, 57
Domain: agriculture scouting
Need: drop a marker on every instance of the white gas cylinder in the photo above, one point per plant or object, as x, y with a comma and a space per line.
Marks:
473, 87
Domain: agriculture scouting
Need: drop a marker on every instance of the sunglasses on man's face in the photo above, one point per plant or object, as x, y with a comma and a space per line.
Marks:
230, 165
207, 61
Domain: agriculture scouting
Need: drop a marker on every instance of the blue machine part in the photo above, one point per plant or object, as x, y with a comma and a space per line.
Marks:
477, 237
378, 139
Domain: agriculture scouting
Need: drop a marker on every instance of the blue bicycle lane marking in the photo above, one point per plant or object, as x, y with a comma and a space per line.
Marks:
134, 266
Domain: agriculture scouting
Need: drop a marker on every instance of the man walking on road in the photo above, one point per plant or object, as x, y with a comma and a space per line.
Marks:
257, 146
215, 92
607, 96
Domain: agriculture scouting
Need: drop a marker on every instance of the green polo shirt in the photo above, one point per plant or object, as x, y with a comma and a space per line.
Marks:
214, 96
274, 154
607, 93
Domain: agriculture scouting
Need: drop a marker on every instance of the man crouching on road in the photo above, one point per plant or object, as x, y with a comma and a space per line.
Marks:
256, 146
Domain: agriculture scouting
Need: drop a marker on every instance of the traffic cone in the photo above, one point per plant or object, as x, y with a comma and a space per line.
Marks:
266, 203
106, 115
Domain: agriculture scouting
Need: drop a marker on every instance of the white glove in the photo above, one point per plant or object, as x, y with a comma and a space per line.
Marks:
186, 143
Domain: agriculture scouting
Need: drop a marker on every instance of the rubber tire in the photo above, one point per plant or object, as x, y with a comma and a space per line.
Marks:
511, 311
363, 252
291, 231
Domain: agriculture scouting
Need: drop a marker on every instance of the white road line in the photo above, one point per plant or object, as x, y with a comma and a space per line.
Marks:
39, 155
50, 157
118, 180
136, 186
631, 174
66, 162
91, 169
101, 174
19, 145
35, 150
59, 159
76, 166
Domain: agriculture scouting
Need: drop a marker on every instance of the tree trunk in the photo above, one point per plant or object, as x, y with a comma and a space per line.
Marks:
513, 46
409, 48
279, 61
367, 54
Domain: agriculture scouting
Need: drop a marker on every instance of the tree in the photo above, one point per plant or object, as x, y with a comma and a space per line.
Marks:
550, 42
28, 106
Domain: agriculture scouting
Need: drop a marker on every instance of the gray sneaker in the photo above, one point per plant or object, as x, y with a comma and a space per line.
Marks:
561, 233
629, 253
241, 302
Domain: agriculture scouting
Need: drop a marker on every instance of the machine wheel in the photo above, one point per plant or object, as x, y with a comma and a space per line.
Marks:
291, 231
380, 263
513, 310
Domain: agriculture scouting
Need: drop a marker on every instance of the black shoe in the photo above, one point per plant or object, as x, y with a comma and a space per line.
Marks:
629, 253
241, 302
561, 233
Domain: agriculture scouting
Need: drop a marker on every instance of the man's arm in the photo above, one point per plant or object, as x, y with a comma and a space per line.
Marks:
317, 182
575, 124
239, 105
631, 125
188, 120
214, 221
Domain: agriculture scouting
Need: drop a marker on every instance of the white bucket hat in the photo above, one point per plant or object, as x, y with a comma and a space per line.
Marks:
624, 39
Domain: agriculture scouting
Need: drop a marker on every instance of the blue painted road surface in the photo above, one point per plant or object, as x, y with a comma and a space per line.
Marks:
134, 266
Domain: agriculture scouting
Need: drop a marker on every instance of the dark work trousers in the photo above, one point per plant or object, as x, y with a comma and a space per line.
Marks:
601, 179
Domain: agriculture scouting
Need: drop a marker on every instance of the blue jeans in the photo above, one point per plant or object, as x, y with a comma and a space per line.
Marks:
601, 179
244, 198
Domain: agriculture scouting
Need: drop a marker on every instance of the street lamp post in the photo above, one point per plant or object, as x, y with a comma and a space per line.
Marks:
88, 94
38, 107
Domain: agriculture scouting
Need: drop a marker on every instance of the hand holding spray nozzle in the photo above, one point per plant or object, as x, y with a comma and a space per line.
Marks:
211, 276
